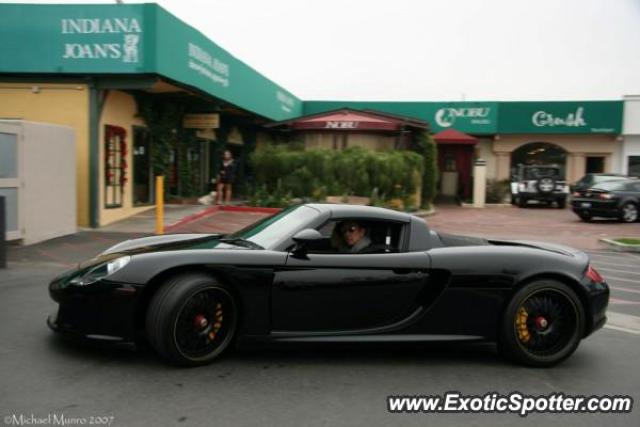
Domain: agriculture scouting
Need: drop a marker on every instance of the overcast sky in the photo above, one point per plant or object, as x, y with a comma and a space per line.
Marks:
418, 50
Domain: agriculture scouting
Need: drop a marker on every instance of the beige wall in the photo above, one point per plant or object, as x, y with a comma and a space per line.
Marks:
484, 151
578, 148
61, 104
119, 110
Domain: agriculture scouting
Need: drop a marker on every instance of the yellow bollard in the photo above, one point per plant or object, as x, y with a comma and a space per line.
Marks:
160, 204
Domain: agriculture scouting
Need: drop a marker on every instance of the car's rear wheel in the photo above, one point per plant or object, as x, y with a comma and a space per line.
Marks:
192, 319
629, 212
542, 325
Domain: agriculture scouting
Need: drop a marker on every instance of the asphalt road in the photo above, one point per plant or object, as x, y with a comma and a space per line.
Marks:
290, 385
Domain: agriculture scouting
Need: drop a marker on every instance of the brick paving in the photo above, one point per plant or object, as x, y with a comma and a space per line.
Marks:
220, 222
532, 223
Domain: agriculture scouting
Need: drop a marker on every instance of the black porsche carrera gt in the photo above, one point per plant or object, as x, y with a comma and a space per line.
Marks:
283, 279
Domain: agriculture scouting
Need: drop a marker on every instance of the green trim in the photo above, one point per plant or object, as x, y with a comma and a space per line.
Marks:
127, 82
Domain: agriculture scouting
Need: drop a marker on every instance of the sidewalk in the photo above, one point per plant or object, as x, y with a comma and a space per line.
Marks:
145, 222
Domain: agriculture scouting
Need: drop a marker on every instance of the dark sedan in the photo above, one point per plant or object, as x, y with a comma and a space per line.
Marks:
611, 199
289, 277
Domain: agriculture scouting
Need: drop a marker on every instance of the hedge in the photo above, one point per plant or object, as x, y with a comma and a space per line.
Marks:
424, 145
282, 172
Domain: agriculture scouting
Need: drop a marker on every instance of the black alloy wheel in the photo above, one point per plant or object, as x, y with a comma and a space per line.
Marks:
191, 320
542, 325
585, 216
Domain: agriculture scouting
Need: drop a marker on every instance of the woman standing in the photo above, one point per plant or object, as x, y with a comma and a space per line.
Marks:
225, 178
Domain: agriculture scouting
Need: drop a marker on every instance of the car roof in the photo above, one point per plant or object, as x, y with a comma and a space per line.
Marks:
360, 211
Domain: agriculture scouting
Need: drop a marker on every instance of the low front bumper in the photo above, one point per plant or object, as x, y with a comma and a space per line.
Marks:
103, 312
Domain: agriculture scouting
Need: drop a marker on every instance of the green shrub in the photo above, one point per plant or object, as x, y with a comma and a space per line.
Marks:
282, 172
497, 190
424, 145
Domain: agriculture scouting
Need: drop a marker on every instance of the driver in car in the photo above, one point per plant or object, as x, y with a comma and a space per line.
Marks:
351, 237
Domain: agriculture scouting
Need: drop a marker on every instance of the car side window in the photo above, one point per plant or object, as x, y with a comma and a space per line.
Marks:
355, 236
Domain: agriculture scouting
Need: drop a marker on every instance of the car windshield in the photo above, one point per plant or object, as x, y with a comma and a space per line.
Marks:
603, 178
611, 185
539, 172
269, 231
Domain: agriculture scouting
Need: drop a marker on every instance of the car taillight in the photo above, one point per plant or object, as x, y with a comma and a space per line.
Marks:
576, 194
594, 275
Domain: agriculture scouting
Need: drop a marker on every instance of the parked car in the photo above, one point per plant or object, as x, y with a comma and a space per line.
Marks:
283, 279
542, 183
591, 179
610, 199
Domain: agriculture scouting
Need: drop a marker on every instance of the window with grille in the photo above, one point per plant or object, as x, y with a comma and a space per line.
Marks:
115, 167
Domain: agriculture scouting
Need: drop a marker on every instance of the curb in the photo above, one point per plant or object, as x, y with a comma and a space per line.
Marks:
424, 213
623, 247
487, 205
212, 209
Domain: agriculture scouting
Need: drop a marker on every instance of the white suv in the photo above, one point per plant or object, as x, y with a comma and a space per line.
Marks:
542, 183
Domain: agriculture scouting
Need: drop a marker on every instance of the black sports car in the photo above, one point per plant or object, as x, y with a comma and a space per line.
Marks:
610, 199
285, 278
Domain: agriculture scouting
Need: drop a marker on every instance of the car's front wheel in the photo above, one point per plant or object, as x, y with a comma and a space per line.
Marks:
191, 319
586, 217
542, 324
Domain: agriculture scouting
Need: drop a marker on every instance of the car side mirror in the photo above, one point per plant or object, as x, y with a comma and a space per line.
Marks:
303, 239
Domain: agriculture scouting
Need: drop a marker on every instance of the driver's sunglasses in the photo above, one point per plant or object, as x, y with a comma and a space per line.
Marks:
350, 229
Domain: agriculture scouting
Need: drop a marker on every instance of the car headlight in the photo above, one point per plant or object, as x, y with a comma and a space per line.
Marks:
101, 271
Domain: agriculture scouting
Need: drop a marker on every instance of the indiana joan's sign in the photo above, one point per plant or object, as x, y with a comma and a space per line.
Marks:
74, 39
561, 117
132, 39
127, 48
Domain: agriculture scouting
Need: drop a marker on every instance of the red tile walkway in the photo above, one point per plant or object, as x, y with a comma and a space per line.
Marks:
532, 223
219, 222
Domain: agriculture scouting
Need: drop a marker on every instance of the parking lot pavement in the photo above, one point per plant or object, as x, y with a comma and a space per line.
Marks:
532, 223
220, 222
315, 385
622, 271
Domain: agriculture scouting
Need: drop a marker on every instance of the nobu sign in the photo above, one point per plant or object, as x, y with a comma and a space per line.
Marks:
341, 125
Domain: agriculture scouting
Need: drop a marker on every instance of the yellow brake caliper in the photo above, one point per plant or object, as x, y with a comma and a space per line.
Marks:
217, 324
521, 325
